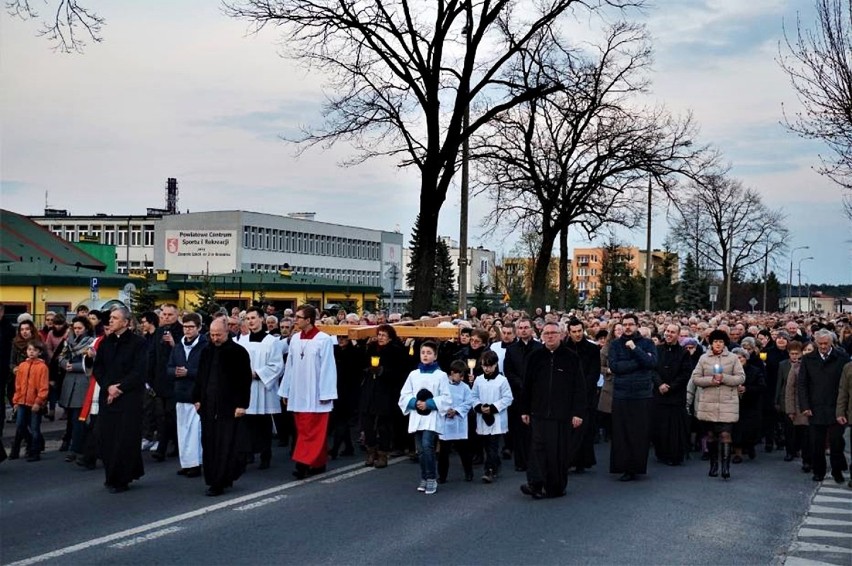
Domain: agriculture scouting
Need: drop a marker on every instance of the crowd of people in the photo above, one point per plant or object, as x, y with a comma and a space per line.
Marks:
533, 390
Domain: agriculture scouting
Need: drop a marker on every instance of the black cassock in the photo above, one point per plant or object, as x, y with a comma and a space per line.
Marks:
583, 441
669, 420
223, 384
553, 393
121, 361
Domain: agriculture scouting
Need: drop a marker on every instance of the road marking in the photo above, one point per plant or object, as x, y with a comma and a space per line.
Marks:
816, 521
830, 510
261, 503
179, 518
823, 533
813, 547
363, 470
828, 499
145, 538
799, 561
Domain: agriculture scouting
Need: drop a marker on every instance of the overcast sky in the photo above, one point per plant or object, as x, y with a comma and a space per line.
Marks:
178, 90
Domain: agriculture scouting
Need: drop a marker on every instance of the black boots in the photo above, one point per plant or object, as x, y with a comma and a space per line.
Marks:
712, 450
726, 461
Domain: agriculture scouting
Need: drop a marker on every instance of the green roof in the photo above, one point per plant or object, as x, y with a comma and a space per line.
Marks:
247, 280
22, 240
30, 273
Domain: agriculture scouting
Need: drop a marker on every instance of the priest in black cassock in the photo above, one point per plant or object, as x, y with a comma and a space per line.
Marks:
583, 443
221, 395
669, 421
553, 404
119, 369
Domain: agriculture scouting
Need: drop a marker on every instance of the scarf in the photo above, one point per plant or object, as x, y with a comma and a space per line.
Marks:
77, 346
427, 368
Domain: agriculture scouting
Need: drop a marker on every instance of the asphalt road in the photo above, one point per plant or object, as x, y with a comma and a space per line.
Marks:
59, 513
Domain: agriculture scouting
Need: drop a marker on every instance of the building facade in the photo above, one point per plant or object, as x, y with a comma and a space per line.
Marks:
480, 269
588, 266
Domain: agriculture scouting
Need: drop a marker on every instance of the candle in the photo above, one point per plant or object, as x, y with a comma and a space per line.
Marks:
763, 356
717, 369
471, 363
374, 361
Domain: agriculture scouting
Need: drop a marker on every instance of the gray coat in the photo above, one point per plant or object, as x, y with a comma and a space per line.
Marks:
76, 381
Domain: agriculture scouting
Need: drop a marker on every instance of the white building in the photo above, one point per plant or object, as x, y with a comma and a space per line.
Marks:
481, 266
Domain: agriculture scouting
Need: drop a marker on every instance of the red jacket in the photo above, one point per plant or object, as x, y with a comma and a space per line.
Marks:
31, 383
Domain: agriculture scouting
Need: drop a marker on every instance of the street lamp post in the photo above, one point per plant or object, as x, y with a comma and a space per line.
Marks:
463, 261
790, 279
799, 290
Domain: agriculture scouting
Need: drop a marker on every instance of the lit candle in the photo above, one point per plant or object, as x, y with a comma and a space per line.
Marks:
374, 361
717, 369
763, 356
471, 363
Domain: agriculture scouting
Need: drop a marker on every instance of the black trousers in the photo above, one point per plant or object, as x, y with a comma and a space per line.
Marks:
462, 448
164, 412
377, 431
836, 445
520, 438
260, 431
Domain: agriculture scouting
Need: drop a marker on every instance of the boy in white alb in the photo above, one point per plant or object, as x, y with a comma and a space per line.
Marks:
491, 395
425, 398
454, 436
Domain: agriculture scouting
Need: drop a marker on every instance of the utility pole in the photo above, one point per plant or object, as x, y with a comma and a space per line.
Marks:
468, 29
790, 278
393, 274
648, 257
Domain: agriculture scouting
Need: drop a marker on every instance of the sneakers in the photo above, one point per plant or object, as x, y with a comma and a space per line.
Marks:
422, 486
147, 444
431, 487
488, 476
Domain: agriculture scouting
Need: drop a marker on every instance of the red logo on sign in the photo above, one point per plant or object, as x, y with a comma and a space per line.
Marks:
172, 245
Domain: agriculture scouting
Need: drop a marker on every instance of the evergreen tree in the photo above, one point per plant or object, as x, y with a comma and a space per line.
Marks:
663, 290
773, 292
480, 300
414, 251
443, 296
518, 298
627, 290
142, 299
690, 286
206, 304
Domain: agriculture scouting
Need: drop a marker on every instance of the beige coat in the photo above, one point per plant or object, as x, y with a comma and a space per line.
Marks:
791, 397
844, 395
718, 403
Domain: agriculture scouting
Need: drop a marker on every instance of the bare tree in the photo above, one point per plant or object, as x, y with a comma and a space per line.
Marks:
728, 226
819, 63
68, 25
579, 155
402, 74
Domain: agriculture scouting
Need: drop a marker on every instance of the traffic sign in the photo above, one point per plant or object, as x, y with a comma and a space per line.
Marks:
93, 285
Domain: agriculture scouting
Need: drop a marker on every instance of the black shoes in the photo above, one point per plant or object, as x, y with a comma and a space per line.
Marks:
815, 477
532, 491
119, 488
627, 476
838, 477
193, 472
213, 491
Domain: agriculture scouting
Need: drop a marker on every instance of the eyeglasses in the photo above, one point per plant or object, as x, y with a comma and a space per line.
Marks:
190, 326
300, 316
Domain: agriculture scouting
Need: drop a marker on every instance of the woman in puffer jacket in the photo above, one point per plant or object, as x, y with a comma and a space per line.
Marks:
718, 373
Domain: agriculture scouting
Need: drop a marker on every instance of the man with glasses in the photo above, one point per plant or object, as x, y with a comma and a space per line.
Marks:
309, 388
553, 405
183, 368
632, 361
267, 364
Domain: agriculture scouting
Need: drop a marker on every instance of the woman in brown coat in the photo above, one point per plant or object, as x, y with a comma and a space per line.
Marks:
800, 439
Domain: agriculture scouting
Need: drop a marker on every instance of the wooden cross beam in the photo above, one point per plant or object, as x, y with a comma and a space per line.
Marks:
426, 328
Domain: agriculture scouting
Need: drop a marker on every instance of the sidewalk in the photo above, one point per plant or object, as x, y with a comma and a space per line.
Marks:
50, 430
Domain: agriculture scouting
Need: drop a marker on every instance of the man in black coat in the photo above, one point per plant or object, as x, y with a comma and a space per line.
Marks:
553, 403
163, 341
120, 372
583, 445
818, 385
514, 367
221, 395
669, 424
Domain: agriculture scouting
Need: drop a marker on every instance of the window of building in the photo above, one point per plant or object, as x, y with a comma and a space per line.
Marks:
109, 235
246, 237
253, 238
71, 233
136, 235
122, 235
148, 234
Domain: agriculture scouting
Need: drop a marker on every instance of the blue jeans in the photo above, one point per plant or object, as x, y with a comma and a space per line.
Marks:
428, 440
27, 415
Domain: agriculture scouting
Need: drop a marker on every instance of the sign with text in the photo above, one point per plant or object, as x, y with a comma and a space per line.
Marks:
197, 251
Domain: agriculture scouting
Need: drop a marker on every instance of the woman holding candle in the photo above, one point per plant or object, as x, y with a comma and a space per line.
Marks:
383, 379
718, 374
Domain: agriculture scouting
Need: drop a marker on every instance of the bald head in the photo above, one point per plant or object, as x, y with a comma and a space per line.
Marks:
218, 331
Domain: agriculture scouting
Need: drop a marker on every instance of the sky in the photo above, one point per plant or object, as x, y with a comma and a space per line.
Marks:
177, 89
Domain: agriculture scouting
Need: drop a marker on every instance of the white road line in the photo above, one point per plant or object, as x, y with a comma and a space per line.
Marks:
145, 538
813, 547
836, 490
364, 470
177, 518
827, 522
261, 503
829, 499
822, 533
799, 561
831, 510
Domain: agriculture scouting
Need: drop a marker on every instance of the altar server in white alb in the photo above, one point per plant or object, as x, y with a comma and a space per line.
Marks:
426, 398
454, 436
491, 396
267, 365
309, 388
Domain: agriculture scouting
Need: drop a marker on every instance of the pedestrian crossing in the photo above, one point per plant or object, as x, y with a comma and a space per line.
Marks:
825, 536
